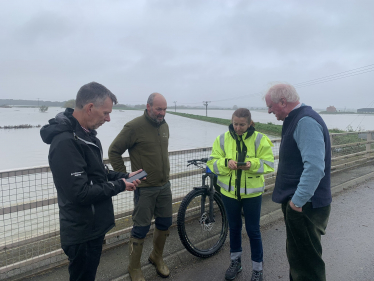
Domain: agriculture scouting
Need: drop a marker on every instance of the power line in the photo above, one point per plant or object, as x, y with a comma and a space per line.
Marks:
316, 81
332, 79
206, 107
349, 125
358, 70
312, 82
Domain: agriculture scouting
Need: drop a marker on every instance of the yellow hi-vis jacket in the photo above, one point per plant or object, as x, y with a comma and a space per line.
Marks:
259, 153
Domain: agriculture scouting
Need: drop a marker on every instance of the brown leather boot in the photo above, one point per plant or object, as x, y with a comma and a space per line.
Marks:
159, 238
135, 252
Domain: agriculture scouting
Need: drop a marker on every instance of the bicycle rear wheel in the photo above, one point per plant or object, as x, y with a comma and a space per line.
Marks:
199, 236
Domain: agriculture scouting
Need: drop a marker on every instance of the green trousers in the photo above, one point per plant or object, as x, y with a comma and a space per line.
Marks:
304, 249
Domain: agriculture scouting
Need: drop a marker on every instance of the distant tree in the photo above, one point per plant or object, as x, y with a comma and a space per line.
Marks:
235, 107
43, 108
121, 106
140, 106
69, 103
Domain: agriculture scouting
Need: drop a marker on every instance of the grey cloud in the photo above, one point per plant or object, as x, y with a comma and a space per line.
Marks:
44, 27
188, 50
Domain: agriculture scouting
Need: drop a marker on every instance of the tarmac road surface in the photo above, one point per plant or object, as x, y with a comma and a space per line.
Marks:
348, 246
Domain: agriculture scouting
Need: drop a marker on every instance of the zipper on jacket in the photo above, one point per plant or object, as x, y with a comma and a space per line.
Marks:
89, 143
238, 172
162, 153
230, 183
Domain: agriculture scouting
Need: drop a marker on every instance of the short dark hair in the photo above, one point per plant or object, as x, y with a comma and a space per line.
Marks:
151, 98
243, 112
93, 93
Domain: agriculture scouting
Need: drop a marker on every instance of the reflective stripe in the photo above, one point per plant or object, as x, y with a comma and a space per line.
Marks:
252, 190
210, 158
258, 141
262, 162
269, 163
261, 169
222, 142
215, 168
242, 190
224, 186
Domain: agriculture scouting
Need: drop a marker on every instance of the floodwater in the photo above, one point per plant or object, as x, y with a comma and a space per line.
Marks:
356, 122
21, 148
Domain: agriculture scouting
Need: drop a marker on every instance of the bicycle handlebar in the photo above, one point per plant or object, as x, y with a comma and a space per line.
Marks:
202, 160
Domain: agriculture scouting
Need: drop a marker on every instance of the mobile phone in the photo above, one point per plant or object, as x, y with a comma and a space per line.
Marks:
241, 163
137, 176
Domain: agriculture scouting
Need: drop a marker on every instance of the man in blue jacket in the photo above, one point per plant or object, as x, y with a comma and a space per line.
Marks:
303, 181
85, 186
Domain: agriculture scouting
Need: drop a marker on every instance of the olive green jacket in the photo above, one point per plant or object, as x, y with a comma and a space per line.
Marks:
147, 142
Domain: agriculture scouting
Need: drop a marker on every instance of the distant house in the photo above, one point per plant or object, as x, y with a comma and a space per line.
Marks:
365, 110
331, 109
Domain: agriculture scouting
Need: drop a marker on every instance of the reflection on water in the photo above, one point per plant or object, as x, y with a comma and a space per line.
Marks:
21, 148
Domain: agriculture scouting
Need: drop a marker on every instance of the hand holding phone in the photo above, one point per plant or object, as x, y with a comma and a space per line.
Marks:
137, 176
244, 165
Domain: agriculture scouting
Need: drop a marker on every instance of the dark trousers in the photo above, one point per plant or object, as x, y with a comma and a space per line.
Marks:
84, 259
252, 209
152, 202
304, 249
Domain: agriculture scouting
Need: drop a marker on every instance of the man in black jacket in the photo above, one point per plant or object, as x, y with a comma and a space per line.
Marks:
85, 186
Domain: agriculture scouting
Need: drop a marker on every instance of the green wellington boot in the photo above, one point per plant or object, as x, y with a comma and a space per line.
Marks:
155, 258
135, 252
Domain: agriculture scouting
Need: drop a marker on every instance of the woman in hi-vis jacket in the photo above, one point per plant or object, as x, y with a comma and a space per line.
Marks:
240, 157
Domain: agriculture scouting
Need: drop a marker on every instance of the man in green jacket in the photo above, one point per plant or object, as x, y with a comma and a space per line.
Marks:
147, 138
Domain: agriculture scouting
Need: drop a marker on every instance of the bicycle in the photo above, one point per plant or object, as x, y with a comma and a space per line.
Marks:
202, 221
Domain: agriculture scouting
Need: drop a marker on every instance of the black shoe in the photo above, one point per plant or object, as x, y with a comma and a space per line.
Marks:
234, 269
257, 275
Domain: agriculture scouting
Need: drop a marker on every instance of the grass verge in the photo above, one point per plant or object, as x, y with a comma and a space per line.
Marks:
269, 128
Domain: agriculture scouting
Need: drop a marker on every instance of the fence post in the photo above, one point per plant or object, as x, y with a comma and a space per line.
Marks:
331, 143
368, 145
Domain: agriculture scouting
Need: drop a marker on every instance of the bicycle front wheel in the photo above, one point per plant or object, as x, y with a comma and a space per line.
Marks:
198, 234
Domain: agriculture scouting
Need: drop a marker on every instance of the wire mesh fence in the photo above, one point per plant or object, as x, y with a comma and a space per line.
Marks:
29, 219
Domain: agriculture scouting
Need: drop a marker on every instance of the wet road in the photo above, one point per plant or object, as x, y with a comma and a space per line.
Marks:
348, 246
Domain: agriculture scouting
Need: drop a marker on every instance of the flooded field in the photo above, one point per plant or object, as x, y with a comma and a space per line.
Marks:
21, 148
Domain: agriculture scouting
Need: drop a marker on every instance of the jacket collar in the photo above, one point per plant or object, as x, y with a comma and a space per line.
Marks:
77, 128
295, 111
153, 122
246, 134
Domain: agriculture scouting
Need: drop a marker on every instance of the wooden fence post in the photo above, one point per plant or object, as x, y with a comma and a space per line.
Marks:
368, 145
331, 142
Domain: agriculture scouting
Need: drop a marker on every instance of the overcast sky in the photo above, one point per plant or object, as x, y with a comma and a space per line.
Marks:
226, 52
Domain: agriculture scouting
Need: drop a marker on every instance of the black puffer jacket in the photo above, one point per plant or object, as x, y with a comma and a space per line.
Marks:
84, 185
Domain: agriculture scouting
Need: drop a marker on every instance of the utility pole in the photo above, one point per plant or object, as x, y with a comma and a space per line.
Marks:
206, 107
175, 103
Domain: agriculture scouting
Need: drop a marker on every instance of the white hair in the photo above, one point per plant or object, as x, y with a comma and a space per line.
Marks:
286, 91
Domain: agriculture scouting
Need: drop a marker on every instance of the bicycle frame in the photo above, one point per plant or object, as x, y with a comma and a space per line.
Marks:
211, 217
210, 192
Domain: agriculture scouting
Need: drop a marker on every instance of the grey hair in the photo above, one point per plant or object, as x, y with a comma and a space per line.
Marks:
151, 98
286, 91
93, 93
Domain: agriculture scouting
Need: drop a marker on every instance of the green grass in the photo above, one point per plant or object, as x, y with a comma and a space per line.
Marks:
337, 112
269, 128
